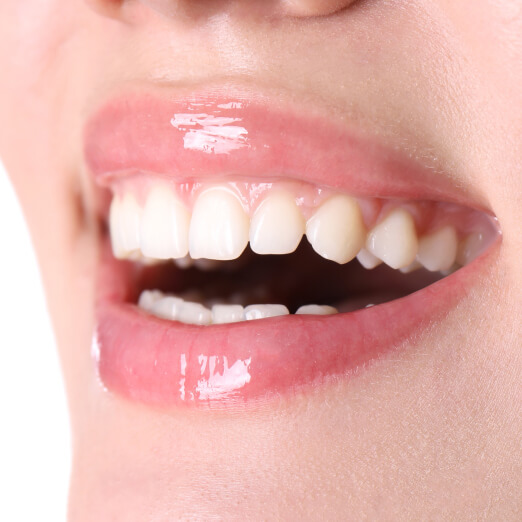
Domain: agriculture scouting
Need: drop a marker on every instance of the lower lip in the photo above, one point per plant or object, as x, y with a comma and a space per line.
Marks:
165, 363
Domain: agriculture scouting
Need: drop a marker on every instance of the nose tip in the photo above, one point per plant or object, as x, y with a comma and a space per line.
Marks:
298, 8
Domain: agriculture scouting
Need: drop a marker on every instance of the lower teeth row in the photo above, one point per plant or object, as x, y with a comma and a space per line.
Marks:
177, 309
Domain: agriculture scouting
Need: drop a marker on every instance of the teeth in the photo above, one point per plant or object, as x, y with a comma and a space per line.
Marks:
219, 227
410, 268
130, 216
167, 307
438, 251
336, 231
262, 311
194, 313
470, 248
227, 314
277, 225
148, 298
165, 225
316, 310
367, 259
177, 309
394, 239
125, 216
114, 225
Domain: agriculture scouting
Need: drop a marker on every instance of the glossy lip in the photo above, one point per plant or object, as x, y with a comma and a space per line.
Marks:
216, 133
210, 135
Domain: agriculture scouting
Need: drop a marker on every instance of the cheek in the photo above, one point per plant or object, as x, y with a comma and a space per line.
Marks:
33, 42
492, 33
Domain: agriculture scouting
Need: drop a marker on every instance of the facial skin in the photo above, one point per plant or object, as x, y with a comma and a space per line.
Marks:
430, 433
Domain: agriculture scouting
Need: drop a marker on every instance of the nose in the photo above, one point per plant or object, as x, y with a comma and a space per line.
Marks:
297, 8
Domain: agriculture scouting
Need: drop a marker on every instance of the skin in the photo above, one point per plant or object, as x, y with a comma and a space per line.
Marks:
431, 433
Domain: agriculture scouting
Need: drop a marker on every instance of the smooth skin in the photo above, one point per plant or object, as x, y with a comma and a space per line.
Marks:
431, 433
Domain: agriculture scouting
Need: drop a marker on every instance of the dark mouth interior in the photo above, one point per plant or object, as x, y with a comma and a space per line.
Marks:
296, 279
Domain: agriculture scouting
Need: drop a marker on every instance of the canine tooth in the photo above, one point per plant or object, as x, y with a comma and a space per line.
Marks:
164, 226
148, 298
316, 310
261, 311
227, 313
367, 259
336, 231
277, 225
438, 251
194, 313
167, 307
470, 248
394, 239
219, 226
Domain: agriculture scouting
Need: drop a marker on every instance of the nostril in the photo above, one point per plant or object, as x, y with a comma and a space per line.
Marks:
305, 8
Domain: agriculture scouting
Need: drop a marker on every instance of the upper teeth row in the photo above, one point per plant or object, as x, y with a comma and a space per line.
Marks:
219, 228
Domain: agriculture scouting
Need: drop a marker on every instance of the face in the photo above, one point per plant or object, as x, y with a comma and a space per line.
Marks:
140, 132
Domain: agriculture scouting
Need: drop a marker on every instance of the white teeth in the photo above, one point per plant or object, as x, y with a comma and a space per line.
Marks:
219, 227
316, 310
394, 239
438, 251
277, 225
262, 311
167, 307
227, 314
194, 313
177, 309
336, 231
174, 308
164, 226
148, 298
130, 217
124, 221
114, 225
367, 259
470, 248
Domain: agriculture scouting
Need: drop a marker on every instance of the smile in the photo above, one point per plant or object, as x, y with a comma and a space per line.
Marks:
252, 250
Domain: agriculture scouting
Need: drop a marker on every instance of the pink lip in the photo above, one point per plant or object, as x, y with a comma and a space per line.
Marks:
210, 135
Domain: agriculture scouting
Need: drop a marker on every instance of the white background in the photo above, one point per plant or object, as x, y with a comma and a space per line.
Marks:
34, 430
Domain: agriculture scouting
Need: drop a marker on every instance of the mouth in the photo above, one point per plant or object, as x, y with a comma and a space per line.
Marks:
251, 250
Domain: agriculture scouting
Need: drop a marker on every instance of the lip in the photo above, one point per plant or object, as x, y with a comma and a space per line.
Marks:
134, 132
165, 363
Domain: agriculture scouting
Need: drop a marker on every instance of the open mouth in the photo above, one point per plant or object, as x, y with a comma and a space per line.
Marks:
221, 286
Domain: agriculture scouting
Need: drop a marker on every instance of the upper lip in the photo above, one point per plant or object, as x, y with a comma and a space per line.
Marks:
137, 131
